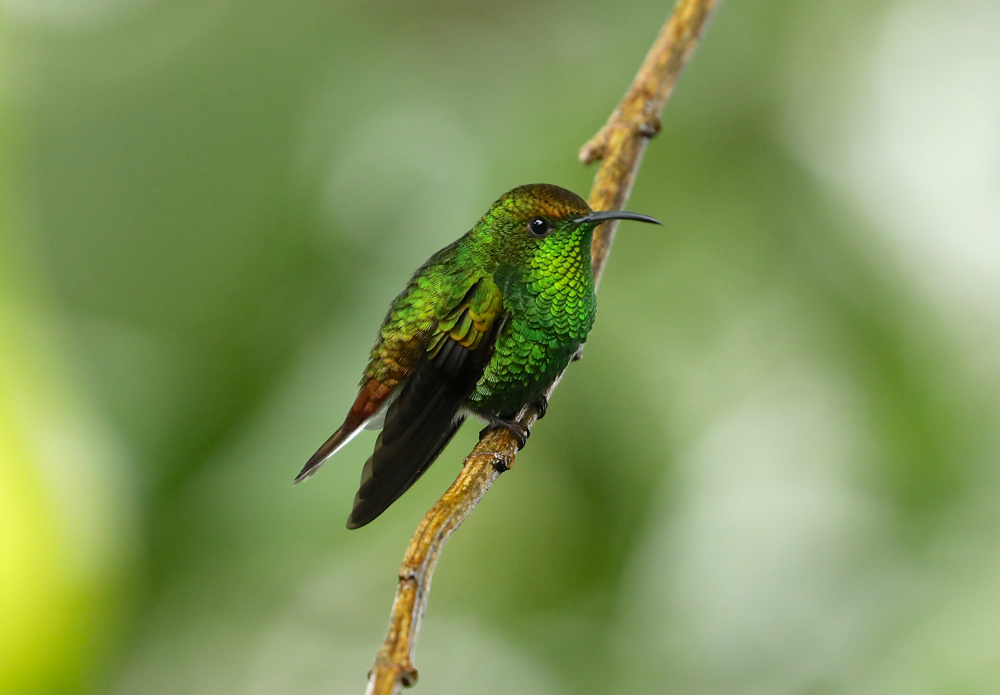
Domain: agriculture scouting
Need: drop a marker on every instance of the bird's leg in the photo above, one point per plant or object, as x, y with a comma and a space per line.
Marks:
519, 431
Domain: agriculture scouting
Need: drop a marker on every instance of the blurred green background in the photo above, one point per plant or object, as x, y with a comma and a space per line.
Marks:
775, 471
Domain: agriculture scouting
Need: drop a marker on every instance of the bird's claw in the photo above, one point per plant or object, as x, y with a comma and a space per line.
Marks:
541, 405
516, 429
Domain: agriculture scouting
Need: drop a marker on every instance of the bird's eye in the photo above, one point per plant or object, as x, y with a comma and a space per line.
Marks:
539, 227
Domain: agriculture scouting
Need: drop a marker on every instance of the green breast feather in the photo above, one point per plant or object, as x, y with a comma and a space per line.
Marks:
551, 307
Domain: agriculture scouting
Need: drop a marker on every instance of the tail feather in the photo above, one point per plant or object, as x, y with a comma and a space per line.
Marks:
368, 407
331, 446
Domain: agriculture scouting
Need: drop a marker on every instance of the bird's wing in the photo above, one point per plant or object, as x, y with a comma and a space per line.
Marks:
410, 325
422, 418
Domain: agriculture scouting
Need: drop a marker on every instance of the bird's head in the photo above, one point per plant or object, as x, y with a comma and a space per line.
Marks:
540, 220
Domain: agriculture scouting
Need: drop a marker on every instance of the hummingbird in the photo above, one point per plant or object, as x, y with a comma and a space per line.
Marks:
482, 328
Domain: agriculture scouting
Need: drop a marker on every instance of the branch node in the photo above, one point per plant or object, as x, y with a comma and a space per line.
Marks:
597, 146
650, 126
500, 464
408, 677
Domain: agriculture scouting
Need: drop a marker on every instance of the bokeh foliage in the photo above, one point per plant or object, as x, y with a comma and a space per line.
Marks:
774, 471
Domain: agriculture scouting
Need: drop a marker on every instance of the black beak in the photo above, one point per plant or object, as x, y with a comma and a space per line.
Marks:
615, 215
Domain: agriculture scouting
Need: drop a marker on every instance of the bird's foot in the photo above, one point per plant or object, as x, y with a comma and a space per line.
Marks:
519, 431
541, 405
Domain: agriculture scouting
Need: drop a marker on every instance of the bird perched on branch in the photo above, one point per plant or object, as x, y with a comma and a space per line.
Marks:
483, 328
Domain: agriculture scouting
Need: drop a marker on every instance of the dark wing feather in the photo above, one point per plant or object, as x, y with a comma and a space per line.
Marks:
418, 425
424, 417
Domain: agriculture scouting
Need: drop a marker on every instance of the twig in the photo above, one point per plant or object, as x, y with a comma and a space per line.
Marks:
622, 141
620, 145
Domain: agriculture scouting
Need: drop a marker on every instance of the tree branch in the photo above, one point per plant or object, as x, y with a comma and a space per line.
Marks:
619, 145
